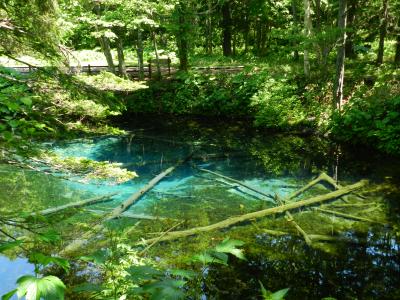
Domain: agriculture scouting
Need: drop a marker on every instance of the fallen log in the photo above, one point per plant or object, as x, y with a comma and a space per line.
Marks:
77, 204
116, 212
290, 219
348, 216
317, 237
262, 213
240, 183
321, 177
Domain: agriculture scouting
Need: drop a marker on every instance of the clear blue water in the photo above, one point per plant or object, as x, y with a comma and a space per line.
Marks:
11, 270
272, 163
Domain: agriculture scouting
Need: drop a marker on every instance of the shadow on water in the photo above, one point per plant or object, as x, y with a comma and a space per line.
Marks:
365, 268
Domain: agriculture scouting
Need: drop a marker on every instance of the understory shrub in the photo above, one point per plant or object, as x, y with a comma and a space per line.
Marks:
277, 105
373, 121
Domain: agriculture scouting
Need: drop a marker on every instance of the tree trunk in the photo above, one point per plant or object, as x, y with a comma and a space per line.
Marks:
307, 33
105, 46
341, 53
181, 37
296, 56
156, 53
397, 56
139, 51
351, 15
382, 33
209, 43
121, 59
226, 29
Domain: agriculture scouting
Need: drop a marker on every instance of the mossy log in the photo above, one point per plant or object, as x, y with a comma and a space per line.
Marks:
239, 183
262, 213
77, 204
116, 212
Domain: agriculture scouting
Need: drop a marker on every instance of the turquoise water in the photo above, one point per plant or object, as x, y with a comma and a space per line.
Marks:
275, 164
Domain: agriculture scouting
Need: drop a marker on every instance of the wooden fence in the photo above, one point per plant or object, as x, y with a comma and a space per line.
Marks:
150, 70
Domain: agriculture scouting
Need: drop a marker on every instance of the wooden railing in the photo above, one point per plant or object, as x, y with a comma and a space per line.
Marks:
150, 70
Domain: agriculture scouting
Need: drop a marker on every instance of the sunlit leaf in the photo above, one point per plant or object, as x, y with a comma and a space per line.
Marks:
47, 288
9, 245
229, 246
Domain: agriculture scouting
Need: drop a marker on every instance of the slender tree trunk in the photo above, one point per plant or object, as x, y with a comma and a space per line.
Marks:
226, 29
156, 53
182, 42
139, 51
341, 53
105, 46
351, 15
307, 33
246, 34
296, 56
121, 58
382, 33
209, 42
234, 40
397, 55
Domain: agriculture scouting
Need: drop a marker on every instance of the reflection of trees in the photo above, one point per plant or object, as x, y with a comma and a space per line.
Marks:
290, 155
27, 190
363, 271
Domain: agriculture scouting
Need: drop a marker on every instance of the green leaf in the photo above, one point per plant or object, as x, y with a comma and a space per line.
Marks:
99, 257
183, 273
210, 257
138, 273
26, 100
47, 288
9, 245
8, 295
229, 246
44, 260
50, 236
168, 289
279, 295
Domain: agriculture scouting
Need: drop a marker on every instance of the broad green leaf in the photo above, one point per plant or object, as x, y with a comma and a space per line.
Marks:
183, 273
39, 258
47, 288
9, 245
26, 100
50, 236
8, 295
229, 246
168, 289
138, 273
99, 257
279, 295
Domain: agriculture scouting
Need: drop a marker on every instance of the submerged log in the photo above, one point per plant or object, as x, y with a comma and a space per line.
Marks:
348, 216
262, 213
116, 212
240, 183
77, 204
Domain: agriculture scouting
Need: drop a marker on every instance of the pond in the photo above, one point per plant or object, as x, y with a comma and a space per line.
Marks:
361, 259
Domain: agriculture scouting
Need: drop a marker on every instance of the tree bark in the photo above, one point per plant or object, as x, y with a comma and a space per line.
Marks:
296, 56
226, 29
397, 55
341, 53
307, 34
156, 54
121, 59
139, 51
351, 16
105, 46
382, 33
182, 36
209, 29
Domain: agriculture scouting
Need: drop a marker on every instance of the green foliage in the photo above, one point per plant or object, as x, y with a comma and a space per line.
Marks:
278, 105
267, 295
33, 288
219, 254
373, 121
